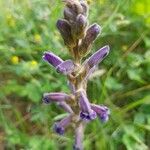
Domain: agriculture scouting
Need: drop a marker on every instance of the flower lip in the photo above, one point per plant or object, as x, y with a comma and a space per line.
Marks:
58, 129
102, 111
87, 116
45, 100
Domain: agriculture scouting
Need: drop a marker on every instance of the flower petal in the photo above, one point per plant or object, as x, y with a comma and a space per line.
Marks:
86, 112
102, 112
66, 67
55, 97
52, 59
98, 56
59, 127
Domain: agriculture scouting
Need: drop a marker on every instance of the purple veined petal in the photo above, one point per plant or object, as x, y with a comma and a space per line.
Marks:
66, 107
86, 112
52, 59
98, 56
79, 135
66, 67
59, 127
55, 97
102, 111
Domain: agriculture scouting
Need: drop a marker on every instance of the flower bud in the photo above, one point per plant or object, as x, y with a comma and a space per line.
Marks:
66, 67
69, 14
91, 34
55, 97
60, 127
85, 8
86, 112
74, 5
52, 59
102, 112
78, 28
65, 31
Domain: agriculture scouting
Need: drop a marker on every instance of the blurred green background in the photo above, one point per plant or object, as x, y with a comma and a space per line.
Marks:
27, 29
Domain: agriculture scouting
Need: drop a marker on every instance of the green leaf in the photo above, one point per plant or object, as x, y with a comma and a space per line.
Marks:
113, 84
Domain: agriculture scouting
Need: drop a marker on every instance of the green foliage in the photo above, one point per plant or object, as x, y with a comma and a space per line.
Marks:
27, 29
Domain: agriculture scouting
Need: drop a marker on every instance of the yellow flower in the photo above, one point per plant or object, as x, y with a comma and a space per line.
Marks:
37, 38
124, 47
10, 20
15, 59
33, 63
102, 2
89, 1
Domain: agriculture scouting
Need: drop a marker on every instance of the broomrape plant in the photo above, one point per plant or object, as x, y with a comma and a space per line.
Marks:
78, 37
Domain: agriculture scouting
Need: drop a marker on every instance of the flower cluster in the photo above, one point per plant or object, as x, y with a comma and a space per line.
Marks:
78, 37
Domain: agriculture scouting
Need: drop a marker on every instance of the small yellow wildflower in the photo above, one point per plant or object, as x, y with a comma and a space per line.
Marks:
101, 2
10, 20
15, 59
37, 38
124, 47
89, 1
33, 63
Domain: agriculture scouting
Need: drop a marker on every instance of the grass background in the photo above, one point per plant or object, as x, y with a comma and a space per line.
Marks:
27, 29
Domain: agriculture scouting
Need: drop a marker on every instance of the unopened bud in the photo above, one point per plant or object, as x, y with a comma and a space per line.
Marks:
91, 34
79, 26
65, 30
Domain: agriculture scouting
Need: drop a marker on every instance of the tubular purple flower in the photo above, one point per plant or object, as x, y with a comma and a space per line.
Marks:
98, 56
102, 112
65, 106
66, 67
55, 97
52, 59
86, 112
59, 127
79, 134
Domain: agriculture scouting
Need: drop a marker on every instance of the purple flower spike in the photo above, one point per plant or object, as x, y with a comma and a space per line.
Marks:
59, 127
66, 67
102, 112
66, 107
98, 56
86, 112
52, 59
55, 97
79, 134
